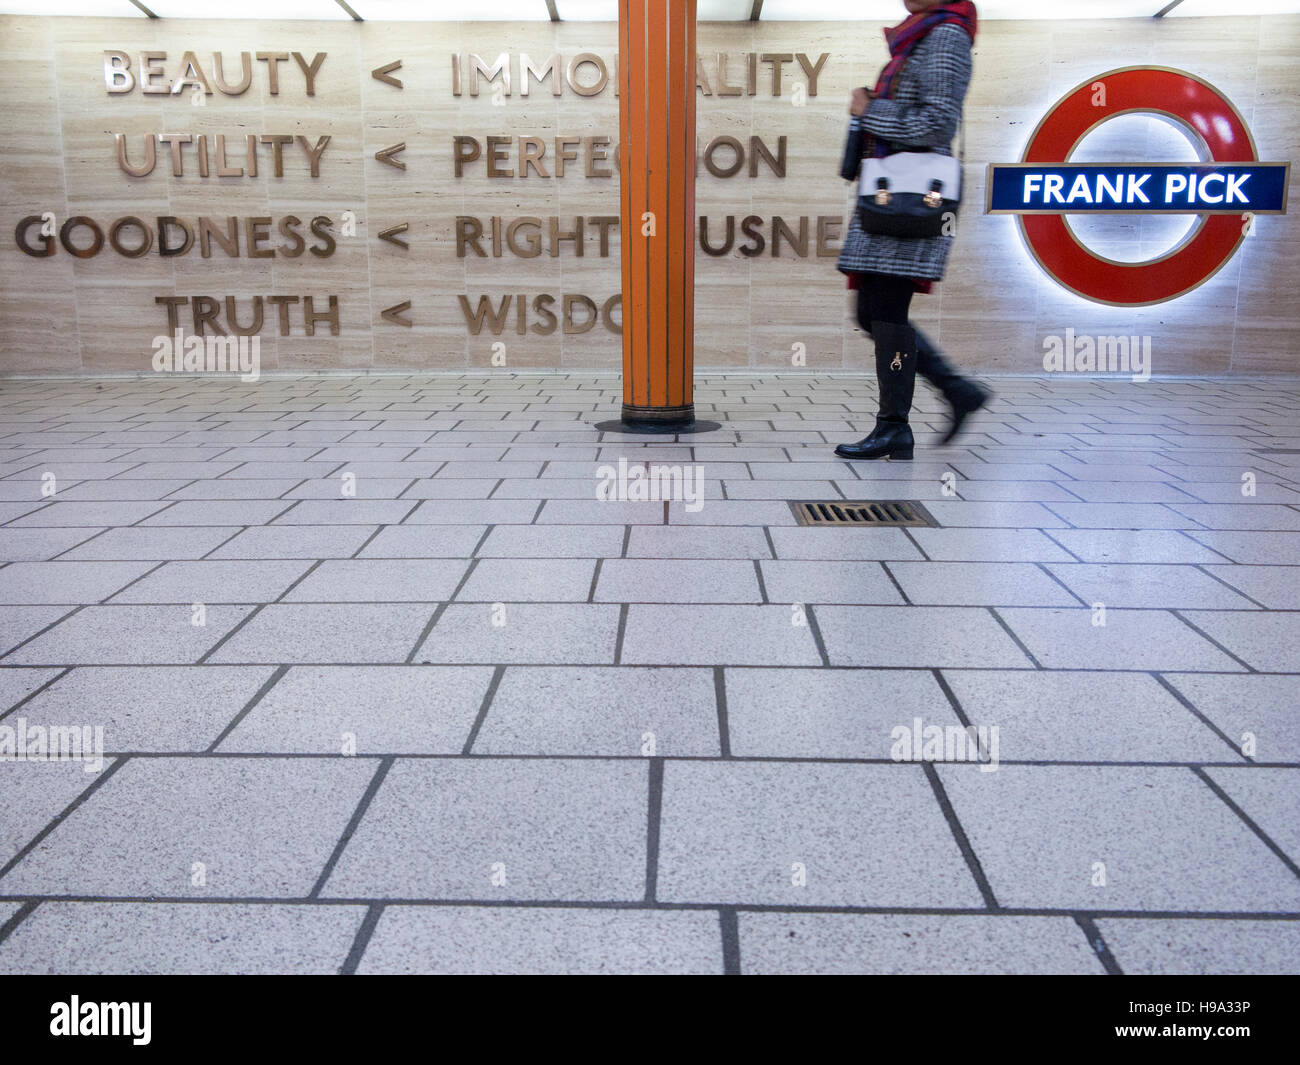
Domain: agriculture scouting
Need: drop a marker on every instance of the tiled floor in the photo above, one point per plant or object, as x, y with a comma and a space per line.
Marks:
384, 686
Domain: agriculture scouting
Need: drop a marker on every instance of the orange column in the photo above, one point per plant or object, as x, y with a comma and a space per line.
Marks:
656, 116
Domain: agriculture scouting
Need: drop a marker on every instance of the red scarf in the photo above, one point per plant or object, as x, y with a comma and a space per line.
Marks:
902, 41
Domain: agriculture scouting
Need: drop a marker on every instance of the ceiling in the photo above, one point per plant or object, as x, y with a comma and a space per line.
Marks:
607, 10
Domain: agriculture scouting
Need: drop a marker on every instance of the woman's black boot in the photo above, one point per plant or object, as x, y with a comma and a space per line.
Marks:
896, 378
964, 396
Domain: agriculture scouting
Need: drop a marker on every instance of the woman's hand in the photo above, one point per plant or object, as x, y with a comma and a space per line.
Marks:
860, 101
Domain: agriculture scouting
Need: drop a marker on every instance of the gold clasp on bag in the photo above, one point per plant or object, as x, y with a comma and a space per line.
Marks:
883, 196
933, 199
897, 364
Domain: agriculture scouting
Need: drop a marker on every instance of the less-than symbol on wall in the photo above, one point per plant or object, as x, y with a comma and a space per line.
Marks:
385, 155
384, 73
393, 313
390, 234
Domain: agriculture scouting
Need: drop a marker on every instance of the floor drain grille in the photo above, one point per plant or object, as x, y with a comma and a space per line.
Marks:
868, 513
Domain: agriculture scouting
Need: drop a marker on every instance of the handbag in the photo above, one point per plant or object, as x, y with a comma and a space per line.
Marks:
909, 194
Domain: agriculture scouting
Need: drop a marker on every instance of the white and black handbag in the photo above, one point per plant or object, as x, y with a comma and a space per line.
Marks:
909, 194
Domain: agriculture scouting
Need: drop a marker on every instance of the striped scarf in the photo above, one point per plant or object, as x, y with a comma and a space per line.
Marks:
902, 41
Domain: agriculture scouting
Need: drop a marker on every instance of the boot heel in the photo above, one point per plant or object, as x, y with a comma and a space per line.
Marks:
901, 454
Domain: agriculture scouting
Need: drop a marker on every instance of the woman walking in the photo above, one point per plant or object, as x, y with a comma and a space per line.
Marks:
915, 107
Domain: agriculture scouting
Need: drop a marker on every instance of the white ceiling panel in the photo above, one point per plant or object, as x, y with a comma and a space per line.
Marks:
1239, 7
316, 10
894, 11
450, 10
84, 8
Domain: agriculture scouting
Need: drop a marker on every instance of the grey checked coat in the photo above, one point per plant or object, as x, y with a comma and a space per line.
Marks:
924, 113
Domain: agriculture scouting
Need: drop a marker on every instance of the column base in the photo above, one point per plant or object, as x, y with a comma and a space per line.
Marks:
658, 420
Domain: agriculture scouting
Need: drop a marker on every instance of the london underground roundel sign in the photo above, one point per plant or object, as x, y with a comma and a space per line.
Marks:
1226, 191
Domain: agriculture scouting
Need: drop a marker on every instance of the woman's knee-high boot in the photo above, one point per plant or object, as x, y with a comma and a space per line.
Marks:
964, 396
896, 377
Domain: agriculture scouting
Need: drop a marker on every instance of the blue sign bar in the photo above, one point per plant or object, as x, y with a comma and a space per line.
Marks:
1109, 188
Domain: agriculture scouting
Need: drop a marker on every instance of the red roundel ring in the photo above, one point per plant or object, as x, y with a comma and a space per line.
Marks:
1154, 90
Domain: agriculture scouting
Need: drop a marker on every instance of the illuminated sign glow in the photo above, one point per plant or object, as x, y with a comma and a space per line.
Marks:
1226, 192
1164, 188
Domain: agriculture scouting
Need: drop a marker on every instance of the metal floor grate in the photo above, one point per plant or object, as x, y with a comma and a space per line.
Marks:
866, 513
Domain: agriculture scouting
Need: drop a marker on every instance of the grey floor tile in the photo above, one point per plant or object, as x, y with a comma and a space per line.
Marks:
788, 581
96, 514
1139, 585
140, 938
17, 683
597, 512
1040, 832
1268, 796
424, 541
517, 940
828, 713
897, 944
1252, 548
1126, 515
365, 488
1262, 516
296, 541
652, 580
380, 580
620, 711
344, 512
265, 489
76, 583
762, 833
979, 584
328, 633
365, 710
718, 635
149, 708
153, 544
842, 544
35, 545
1257, 713
545, 634
1274, 587
219, 512
958, 514
697, 541
989, 545
129, 635
501, 829
481, 511
33, 794
1267, 640
1129, 639
257, 827
1087, 716
715, 511
1151, 947
1144, 545
224, 581
917, 637
553, 541
529, 580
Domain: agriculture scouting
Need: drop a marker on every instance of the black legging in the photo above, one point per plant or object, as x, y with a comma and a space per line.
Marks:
883, 298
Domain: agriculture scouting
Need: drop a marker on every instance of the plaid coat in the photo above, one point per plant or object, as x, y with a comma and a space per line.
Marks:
923, 113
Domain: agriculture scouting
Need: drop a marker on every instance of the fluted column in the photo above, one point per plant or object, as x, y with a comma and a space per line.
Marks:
656, 114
